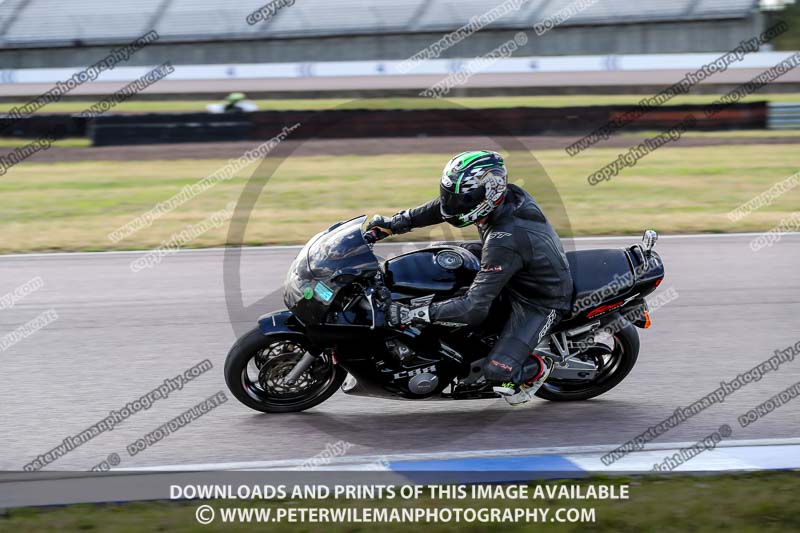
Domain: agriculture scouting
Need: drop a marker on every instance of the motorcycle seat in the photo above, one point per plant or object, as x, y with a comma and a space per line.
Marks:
594, 269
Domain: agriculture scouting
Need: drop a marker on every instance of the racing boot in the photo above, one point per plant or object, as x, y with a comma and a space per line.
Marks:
524, 392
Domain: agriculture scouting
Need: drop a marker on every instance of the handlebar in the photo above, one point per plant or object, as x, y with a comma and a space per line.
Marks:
372, 236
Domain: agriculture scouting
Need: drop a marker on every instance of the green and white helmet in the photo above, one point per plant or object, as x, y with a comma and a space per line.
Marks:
473, 185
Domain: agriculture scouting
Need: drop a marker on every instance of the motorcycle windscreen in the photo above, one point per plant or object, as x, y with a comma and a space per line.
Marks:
342, 250
311, 284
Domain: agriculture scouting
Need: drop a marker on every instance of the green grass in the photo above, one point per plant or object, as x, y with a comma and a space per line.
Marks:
75, 205
717, 134
13, 142
742, 503
141, 106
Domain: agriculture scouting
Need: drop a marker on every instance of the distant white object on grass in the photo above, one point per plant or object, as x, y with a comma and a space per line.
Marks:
234, 103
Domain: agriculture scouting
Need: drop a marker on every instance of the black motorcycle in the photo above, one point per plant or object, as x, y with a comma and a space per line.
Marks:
334, 333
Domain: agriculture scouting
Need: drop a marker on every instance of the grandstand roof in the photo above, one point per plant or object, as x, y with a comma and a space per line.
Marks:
59, 23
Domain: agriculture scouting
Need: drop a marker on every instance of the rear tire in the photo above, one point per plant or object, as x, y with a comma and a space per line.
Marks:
258, 386
627, 343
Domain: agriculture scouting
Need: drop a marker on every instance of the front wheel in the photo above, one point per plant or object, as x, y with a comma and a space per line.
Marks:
257, 365
612, 369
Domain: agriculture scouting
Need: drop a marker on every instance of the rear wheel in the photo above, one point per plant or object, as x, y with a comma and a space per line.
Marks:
257, 365
612, 369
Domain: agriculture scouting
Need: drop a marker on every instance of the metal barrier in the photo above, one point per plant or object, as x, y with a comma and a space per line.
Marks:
783, 116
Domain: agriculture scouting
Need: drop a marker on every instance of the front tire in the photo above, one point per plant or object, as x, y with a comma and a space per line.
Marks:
618, 366
257, 363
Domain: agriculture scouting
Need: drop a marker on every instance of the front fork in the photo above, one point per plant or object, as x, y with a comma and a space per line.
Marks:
304, 364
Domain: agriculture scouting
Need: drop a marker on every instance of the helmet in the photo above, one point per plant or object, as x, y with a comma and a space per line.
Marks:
473, 185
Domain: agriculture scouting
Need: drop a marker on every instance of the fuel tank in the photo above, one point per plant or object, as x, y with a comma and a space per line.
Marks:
438, 269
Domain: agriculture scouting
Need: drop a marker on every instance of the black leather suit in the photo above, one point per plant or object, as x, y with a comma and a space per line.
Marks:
521, 255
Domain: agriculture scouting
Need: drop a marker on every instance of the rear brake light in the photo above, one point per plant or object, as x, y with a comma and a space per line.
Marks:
603, 309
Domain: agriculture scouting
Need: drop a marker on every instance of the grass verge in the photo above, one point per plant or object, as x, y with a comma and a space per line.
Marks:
726, 134
74, 206
70, 142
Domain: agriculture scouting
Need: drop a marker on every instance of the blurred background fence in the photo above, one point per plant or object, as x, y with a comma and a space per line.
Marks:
357, 49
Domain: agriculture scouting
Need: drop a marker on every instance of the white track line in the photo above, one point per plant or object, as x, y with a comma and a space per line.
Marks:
363, 459
405, 243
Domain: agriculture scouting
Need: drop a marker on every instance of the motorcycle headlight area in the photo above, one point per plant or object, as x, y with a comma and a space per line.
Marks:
297, 284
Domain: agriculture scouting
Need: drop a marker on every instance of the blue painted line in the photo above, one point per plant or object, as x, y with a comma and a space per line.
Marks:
524, 463
515, 469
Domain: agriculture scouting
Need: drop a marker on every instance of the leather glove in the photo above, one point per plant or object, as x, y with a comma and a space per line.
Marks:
384, 226
379, 227
402, 315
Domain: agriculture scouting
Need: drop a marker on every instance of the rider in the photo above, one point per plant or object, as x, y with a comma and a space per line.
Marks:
521, 253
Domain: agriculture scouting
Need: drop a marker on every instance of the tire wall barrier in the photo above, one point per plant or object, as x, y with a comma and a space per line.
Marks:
36, 126
158, 128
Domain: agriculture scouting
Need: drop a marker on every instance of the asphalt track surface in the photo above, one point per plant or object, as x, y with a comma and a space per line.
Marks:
372, 146
120, 334
409, 82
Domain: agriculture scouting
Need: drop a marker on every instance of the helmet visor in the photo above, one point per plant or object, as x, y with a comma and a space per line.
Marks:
460, 204
454, 205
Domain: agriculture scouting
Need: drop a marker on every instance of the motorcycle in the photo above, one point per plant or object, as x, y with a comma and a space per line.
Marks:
334, 333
